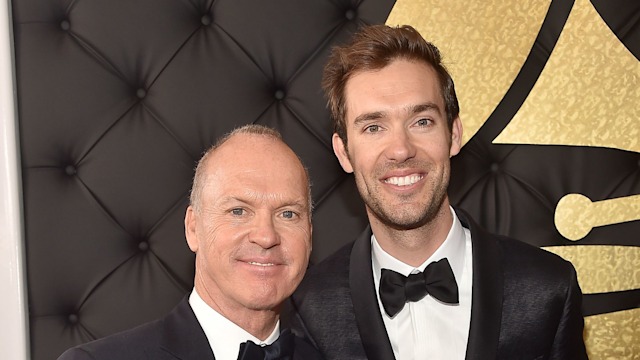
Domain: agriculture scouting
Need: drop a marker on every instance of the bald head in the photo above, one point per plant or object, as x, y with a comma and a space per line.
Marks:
241, 148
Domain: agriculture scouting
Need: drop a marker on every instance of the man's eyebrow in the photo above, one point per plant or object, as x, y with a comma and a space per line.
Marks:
300, 203
415, 109
411, 109
297, 206
233, 199
368, 117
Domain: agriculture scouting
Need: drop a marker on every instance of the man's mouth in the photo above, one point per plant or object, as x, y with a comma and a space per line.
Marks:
404, 180
260, 264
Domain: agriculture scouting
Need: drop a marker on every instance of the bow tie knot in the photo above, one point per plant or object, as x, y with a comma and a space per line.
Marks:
437, 280
281, 349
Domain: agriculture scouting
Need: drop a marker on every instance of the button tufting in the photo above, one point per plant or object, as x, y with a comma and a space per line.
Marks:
495, 167
279, 95
70, 170
143, 246
65, 25
205, 20
350, 14
141, 93
72, 318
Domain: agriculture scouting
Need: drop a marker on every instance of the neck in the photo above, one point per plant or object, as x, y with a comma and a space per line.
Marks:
413, 246
259, 323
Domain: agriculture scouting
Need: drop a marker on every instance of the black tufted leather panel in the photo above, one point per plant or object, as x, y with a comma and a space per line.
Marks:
118, 98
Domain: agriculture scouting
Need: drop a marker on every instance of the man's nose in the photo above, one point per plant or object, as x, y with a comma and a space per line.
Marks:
264, 232
400, 147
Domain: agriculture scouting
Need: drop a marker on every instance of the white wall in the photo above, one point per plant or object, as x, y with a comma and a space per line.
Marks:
13, 302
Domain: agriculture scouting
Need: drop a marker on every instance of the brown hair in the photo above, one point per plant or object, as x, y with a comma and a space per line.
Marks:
372, 48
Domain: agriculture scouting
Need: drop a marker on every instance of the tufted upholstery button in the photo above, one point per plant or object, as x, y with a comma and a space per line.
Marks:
350, 14
279, 95
72, 318
143, 246
141, 93
65, 25
205, 20
70, 170
495, 167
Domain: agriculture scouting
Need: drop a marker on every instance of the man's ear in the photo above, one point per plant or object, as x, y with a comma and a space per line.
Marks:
341, 153
456, 137
190, 229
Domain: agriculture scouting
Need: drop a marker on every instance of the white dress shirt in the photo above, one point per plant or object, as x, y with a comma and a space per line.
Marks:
428, 328
224, 336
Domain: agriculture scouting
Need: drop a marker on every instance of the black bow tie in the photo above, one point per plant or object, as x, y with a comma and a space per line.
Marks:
281, 349
437, 280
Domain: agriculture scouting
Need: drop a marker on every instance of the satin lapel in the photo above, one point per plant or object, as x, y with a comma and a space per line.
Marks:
182, 335
488, 286
365, 301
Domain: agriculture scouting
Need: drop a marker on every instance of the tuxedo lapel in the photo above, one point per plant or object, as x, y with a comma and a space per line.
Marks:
182, 335
487, 293
365, 301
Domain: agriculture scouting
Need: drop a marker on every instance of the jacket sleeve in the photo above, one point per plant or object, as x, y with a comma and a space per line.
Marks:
569, 341
76, 353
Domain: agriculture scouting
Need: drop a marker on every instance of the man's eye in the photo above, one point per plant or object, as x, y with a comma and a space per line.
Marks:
372, 128
288, 214
237, 211
422, 122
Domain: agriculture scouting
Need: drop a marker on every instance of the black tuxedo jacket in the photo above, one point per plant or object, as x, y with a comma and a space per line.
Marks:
526, 303
176, 336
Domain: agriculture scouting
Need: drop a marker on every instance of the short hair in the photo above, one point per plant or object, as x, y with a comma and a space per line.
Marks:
199, 178
374, 47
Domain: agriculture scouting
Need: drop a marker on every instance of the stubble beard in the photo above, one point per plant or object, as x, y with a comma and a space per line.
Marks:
409, 217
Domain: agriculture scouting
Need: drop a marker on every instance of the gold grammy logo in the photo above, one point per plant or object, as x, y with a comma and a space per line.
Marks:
576, 214
586, 95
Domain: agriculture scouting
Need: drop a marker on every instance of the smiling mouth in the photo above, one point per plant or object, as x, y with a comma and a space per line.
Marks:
260, 264
403, 180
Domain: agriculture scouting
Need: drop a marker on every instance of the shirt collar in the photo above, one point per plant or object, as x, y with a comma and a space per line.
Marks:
224, 336
453, 248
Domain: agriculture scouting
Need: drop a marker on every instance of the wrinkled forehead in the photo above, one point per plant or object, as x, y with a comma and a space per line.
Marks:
260, 164
250, 152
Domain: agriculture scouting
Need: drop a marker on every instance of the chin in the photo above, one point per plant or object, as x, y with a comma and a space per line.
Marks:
267, 300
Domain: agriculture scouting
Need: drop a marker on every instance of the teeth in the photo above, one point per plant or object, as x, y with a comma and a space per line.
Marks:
404, 180
260, 264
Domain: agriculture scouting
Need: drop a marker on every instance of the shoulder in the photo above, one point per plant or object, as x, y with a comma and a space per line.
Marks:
518, 259
325, 287
529, 274
130, 344
522, 259
338, 262
330, 272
